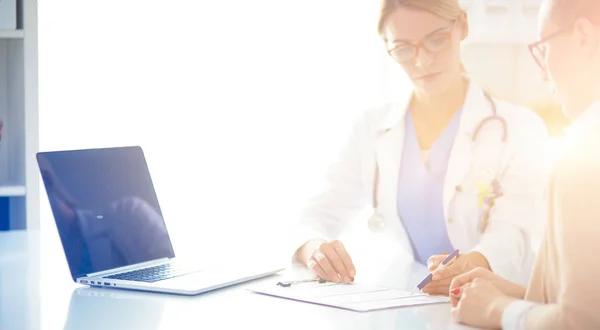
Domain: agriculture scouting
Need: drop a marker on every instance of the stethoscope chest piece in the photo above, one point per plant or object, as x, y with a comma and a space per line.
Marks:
377, 223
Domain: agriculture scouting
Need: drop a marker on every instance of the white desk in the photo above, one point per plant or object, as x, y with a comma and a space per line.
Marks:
37, 293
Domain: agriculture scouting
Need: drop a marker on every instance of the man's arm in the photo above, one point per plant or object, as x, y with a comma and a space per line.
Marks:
576, 229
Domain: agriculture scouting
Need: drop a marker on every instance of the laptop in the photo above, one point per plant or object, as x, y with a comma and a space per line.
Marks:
112, 229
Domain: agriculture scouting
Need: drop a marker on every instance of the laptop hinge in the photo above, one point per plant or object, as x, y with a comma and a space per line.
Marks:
128, 268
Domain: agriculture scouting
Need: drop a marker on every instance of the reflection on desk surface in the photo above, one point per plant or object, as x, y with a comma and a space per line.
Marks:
118, 309
235, 308
63, 306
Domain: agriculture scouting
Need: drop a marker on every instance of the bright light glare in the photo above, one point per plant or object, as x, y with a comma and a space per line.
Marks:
238, 105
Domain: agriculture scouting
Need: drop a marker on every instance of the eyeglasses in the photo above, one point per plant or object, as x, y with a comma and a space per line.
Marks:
434, 43
538, 49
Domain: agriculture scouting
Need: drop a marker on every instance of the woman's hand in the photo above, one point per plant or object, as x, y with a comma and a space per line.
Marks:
480, 304
442, 277
505, 286
329, 260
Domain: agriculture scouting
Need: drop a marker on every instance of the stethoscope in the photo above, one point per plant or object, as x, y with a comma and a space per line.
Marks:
377, 222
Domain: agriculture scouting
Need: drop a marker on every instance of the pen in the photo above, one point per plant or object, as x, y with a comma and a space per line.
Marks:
427, 279
288, 284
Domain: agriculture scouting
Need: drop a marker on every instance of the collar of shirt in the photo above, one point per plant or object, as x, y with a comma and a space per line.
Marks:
579, 128
584, 122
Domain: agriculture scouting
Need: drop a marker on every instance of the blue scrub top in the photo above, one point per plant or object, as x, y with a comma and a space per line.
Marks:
420, 191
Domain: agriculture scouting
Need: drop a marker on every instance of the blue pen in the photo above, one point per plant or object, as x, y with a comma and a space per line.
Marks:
428, 278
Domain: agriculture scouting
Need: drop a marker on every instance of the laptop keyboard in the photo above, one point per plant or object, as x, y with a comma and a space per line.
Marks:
152, 274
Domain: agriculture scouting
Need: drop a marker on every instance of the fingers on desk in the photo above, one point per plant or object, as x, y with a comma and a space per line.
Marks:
461, 282
455, 295
345, 257
334, 263
327, 270
338, 268
313, 265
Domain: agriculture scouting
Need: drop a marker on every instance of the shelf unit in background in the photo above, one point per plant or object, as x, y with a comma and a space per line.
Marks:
11, 34
502, 21
19, 182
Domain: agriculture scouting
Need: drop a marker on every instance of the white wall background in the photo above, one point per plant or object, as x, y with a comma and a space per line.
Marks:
239, 105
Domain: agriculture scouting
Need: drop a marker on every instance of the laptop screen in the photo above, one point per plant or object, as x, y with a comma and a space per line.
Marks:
105, 208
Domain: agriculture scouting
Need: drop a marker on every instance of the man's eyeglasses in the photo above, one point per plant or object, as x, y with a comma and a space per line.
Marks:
434, 43
538, 49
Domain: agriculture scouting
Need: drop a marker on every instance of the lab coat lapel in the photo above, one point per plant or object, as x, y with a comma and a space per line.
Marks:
388, 152
475, 108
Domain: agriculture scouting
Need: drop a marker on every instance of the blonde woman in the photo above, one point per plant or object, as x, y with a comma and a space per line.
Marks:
447, 167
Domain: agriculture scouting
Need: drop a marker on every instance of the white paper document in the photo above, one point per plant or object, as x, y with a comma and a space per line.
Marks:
354, 296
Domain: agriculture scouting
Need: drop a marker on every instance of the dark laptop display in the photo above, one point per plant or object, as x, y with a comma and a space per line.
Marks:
105, 207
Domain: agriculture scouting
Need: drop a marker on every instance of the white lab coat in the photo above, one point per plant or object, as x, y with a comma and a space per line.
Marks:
378, 138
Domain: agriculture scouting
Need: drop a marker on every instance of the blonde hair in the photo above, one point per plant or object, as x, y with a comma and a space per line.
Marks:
445, 9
